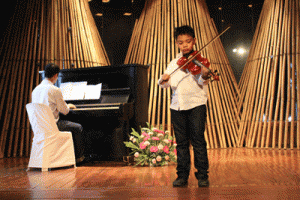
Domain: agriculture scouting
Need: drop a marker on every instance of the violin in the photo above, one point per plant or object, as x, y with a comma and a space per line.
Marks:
194, 65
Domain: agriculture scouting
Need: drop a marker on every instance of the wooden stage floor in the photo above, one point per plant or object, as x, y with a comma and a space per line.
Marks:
238, 173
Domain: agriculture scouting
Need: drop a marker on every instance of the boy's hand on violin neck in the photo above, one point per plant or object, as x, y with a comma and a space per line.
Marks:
165, 77
205, 73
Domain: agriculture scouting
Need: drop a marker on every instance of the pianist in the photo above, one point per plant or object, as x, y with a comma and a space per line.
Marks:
47, 93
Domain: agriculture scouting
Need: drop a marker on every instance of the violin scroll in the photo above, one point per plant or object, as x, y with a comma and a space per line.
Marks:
215, 76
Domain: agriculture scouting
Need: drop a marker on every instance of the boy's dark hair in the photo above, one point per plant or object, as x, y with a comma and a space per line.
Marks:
51, 69
183, 30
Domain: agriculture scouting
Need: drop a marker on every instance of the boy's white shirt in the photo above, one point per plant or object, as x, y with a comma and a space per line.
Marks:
189, 91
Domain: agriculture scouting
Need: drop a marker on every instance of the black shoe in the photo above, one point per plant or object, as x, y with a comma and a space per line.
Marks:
203, 183
180, 182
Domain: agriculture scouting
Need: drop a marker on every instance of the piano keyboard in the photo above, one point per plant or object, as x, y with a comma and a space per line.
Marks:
111, 106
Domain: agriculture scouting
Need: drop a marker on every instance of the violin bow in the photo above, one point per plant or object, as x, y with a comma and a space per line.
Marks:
192, 58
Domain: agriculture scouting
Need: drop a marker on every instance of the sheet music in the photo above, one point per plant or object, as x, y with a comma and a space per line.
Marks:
80, 90
93, 91
73, 90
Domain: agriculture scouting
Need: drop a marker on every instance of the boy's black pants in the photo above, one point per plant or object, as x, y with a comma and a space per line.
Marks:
189, 126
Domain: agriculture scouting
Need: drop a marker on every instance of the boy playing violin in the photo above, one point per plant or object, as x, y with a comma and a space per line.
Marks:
188, 111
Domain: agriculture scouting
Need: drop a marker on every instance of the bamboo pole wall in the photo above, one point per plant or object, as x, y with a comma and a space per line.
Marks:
271, 80
153, 44
58, 31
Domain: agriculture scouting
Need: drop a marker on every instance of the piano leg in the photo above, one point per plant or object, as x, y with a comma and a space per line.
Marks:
120, 135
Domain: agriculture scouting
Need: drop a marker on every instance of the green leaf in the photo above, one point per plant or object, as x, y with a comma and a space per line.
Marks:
131, 145
140, 161
136, 134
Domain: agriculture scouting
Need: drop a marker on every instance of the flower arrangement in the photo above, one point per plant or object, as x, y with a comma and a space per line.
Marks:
152, 146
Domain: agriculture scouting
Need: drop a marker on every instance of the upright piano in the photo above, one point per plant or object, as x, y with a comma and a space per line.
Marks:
123, 105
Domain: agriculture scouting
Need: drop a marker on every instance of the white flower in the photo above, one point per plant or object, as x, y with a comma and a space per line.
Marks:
160, 135
167, 157
134, 140
142, 136
175, 144
146, 143
150, 133
166, 141
136, 154
158, 158
131, 138
160, 146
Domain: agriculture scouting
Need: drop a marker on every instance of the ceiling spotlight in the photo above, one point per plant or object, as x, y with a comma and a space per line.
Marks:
250, 5
127, 14
99, 14
105, 1
241, 51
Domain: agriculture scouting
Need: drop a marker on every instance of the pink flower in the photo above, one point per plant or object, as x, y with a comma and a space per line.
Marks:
136, 154
155, 138
166, 149
153, 149
175, 151
153, 161
142, 145
146, 138
158, 131
144, 134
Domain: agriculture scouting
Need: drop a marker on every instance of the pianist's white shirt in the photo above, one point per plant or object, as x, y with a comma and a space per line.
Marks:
189, 91
47, 93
